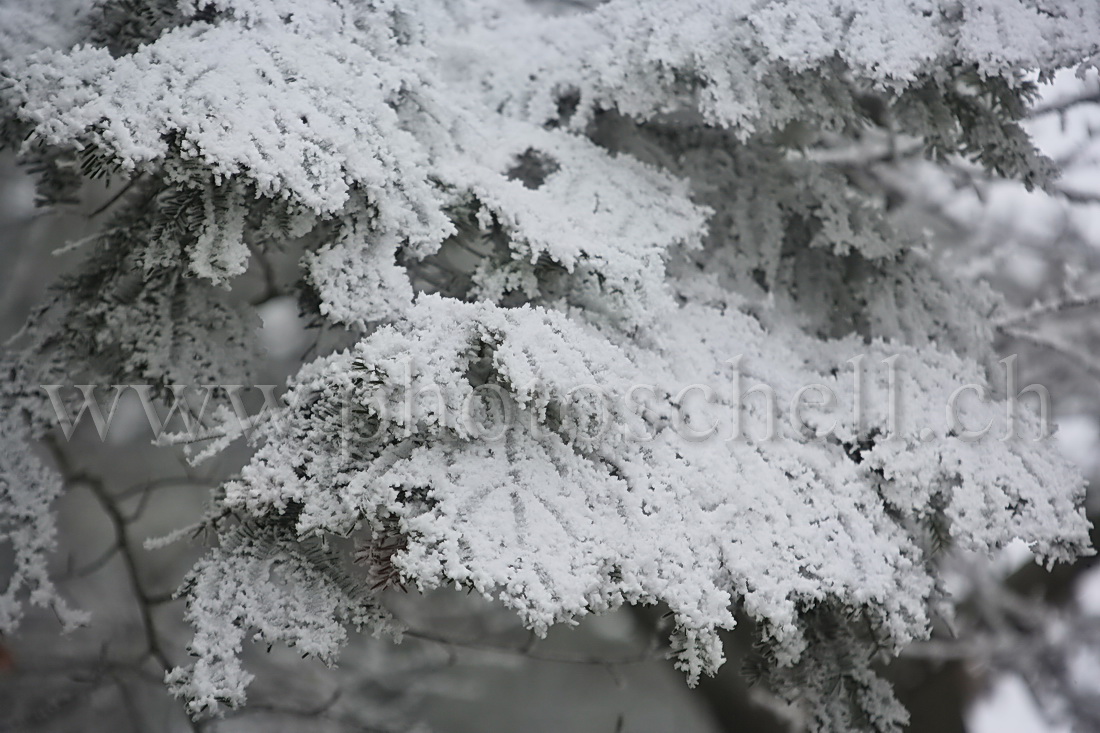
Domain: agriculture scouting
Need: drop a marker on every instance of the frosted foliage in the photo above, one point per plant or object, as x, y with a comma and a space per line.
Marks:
540, 224
358, 279
267, 101
27, 490
753, 65
261, 586
125, 323
590, 213
566, 511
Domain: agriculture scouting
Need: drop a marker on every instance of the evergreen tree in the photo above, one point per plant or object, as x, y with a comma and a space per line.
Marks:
537, 226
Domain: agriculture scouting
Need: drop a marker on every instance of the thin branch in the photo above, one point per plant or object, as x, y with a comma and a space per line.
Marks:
1076, 196
71, 476
127, 702
525, 651
111, 201
886, 150
267, 270
1059, 106
93, 566
1041, 310
1065, 351
157, 484
147, 489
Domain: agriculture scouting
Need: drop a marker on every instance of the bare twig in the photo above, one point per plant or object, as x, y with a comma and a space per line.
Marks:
124, 547
95, 565
267, 270
122, 192
1063, 350
1050, 308
1059, 106
525, 651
